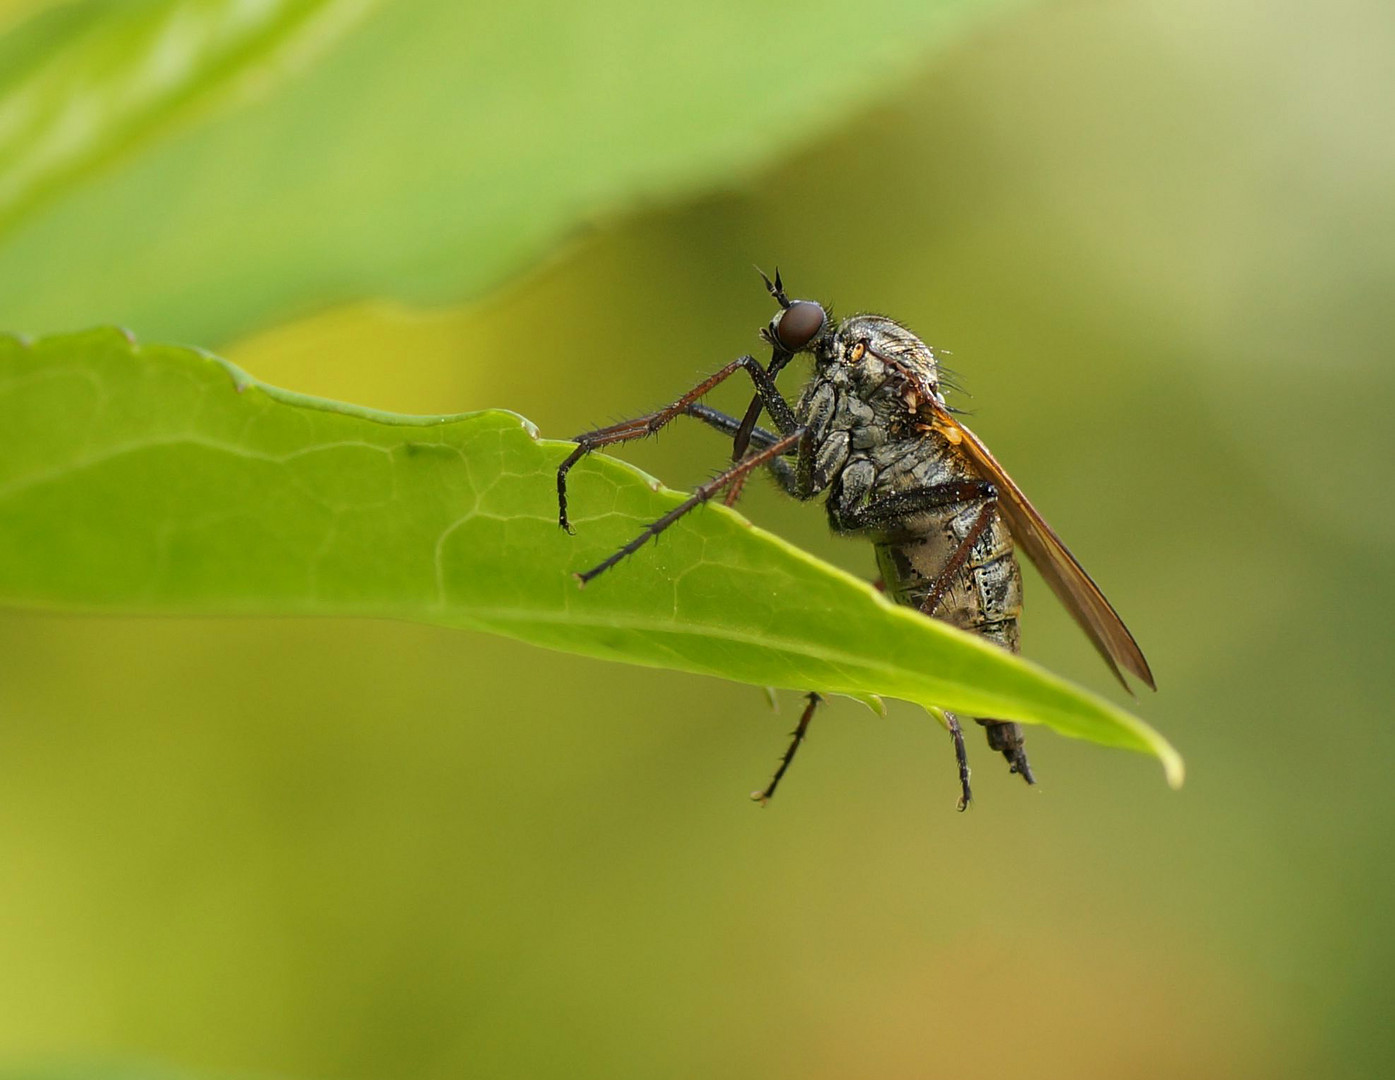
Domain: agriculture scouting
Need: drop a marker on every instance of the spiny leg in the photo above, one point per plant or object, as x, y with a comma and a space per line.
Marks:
796, 737
728, 425
642, 426
699, 496
961, 757
734, 492
743, 434
742, 437
760, 438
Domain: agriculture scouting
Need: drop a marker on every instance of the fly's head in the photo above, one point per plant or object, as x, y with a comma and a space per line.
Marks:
797, 326
863, 352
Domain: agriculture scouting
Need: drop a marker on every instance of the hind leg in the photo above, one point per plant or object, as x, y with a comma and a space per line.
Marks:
961, 757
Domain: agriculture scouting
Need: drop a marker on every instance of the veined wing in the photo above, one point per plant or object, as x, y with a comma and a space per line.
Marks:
1067, 578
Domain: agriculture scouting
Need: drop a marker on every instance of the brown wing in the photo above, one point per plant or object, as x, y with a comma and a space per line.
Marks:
1057, 565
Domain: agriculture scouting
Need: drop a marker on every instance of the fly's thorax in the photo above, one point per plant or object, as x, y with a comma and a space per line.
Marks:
860, 404
880, 357
823, 409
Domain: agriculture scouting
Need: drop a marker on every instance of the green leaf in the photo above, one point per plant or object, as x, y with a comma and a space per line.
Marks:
158, 479
437, 149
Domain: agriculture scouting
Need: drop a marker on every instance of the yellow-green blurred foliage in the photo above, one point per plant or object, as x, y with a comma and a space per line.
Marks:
1157, 239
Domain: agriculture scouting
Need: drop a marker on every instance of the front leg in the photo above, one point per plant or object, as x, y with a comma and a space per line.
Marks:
742, 436
642, 426
701, 494
780, 468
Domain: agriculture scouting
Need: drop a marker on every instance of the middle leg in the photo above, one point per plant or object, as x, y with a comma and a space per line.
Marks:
796, 737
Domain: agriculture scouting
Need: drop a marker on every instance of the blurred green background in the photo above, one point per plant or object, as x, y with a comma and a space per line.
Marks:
1159, 242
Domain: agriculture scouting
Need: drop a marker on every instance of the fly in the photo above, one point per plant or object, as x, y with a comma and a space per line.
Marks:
871, 432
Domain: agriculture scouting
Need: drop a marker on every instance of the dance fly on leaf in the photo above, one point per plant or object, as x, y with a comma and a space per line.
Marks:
871, 433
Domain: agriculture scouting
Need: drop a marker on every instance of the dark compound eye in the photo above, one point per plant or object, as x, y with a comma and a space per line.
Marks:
799, 324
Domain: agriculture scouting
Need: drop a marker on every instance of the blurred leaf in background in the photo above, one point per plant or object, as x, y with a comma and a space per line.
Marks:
366, 849
97, 81
438, 148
